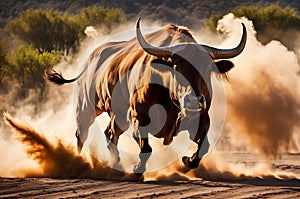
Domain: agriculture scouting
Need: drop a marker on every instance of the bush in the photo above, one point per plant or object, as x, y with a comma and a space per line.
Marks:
27, 66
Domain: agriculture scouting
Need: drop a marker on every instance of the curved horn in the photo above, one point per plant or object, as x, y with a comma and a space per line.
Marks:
152, 50
216, 53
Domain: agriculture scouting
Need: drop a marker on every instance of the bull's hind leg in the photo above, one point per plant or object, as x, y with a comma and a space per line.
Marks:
201, 140
85, 117
141, 137
82, 130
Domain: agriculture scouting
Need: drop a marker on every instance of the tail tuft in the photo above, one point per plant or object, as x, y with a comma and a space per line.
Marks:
55, 77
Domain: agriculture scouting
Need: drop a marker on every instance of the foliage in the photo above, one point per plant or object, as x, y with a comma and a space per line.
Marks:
190, 13
48, 30
270, 22
3, 62
45, 30
27, 66
98, 15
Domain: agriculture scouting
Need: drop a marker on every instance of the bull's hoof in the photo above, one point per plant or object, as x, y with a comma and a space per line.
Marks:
190, 164
139, 174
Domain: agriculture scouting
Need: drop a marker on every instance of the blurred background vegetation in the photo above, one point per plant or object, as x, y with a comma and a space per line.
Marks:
36, 34
271, 23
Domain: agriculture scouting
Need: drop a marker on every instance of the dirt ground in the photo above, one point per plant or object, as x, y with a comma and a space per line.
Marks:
267, 187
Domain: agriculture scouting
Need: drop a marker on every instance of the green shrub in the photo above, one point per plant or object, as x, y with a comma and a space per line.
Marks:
27, 66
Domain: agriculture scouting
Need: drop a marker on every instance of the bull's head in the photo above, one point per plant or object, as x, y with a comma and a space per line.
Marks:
196, 63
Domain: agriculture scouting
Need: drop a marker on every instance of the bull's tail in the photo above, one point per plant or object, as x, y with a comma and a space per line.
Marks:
57, 78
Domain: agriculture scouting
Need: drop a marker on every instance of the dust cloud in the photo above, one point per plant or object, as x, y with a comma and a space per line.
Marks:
58, 160
262, 118
47, 114
263, 95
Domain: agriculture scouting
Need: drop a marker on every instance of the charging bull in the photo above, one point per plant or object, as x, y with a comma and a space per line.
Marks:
125, 79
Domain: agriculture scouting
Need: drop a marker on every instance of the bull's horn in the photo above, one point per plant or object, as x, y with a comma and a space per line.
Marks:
216, 53
152, 50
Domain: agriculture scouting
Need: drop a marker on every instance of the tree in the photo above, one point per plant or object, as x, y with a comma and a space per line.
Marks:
46, 30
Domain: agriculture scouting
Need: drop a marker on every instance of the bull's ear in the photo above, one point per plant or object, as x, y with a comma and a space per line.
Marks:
161, 65
223, 66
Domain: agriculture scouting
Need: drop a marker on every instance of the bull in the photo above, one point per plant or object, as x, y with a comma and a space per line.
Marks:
118, 79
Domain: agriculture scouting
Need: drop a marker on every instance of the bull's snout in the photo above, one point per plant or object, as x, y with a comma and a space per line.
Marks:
192, 103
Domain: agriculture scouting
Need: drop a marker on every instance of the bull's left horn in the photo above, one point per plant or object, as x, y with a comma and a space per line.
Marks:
152, 50
216, 53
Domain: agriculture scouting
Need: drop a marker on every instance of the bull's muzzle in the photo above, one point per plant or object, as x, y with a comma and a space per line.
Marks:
193, 104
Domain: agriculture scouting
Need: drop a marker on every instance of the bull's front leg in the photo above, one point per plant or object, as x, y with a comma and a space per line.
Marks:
141, 137
202, 141
112, 133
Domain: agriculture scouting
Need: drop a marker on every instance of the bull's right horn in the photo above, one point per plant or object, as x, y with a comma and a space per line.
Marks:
152, 50
216, 53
